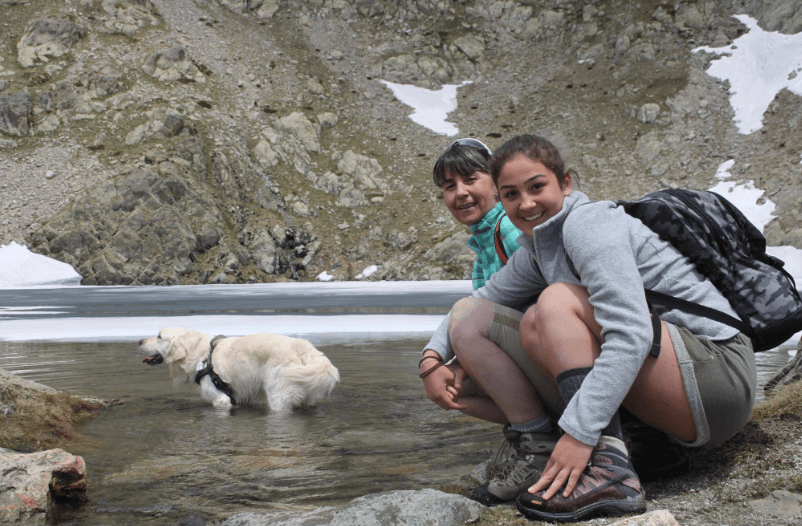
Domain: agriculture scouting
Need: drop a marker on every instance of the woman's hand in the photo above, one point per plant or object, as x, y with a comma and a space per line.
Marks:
566, 464
444, 384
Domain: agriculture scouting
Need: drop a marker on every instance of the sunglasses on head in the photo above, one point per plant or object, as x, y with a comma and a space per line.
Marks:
468, 141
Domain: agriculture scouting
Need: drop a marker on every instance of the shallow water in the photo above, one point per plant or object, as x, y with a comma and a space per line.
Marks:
166, 456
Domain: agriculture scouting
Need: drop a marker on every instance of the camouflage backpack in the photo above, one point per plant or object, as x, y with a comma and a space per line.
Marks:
731, 252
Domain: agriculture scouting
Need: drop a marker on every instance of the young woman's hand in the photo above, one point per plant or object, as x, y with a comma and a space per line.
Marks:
566, 464
444, 385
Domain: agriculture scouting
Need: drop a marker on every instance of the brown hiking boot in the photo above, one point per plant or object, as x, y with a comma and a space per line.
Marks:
608, 487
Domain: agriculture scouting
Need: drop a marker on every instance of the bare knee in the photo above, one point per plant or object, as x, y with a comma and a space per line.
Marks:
470, 318
560, 323
566, 303
563, 298
558, 302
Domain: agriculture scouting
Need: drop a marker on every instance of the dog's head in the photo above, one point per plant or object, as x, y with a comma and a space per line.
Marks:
162, 348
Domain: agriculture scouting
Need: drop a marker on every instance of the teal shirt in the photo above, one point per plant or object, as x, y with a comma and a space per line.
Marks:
483, 243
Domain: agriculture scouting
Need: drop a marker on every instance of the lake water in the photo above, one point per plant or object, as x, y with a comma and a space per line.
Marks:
167, 457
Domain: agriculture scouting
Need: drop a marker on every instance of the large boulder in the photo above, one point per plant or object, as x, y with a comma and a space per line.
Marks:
396, 508
31, 483
47, 38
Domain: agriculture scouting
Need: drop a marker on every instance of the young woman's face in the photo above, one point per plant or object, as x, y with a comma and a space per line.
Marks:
530, 192
469, 198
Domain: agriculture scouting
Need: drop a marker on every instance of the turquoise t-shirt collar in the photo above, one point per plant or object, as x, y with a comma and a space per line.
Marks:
488, 221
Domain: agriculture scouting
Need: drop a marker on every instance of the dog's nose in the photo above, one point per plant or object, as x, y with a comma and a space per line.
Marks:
142, 340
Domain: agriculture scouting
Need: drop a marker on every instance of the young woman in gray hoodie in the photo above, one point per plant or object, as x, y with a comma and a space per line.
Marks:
587, 263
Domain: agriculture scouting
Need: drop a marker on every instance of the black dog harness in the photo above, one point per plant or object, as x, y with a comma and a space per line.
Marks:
205, 367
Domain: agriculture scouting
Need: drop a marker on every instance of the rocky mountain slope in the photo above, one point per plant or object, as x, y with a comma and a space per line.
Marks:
240, 141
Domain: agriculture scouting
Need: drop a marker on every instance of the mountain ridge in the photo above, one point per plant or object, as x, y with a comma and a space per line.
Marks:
233, 141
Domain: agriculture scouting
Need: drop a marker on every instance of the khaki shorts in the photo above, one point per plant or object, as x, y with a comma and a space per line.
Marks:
720, 380
720, 377
505, 332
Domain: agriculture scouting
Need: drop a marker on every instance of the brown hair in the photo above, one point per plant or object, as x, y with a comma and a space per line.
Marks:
535, 148
461, 160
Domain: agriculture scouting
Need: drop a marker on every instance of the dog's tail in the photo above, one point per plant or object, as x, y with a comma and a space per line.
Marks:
316, 379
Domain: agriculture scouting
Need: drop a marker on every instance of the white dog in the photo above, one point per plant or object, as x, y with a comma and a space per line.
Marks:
289, 371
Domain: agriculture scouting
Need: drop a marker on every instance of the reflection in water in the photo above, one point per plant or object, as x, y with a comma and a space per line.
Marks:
167, 456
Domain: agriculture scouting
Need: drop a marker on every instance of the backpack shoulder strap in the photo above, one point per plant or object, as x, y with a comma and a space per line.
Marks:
698, 310
499, 241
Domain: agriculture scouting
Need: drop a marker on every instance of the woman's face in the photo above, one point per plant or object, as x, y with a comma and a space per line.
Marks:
469, 198
530, 192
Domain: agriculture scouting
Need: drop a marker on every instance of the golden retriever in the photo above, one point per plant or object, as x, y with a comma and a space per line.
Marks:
290, 372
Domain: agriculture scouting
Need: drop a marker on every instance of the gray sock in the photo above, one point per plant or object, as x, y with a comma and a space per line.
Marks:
569, 382
541, 424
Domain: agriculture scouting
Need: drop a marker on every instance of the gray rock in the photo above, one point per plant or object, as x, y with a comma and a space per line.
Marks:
448, 250
161, 220
261, 8
403, 240
471, 45
129, 16
328, 120
32, 482
170, 65
780, 503
648, 113
15, 112
173, 124
652, 518
7, 145
396, 508
297, 125
784, 16
47, 38
364, 170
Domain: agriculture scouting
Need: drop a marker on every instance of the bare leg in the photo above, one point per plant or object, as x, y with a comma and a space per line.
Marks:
483, 408
492, 369
560, 333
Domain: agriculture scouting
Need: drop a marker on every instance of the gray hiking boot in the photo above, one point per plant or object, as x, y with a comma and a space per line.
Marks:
517, 465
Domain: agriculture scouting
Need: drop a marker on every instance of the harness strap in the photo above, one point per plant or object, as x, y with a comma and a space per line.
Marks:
207, 369
499, 242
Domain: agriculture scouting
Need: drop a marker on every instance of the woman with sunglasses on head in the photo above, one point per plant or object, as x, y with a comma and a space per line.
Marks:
592, 331
471, 383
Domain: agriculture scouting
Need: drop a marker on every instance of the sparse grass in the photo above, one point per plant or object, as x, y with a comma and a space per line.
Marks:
43, 421
785, 403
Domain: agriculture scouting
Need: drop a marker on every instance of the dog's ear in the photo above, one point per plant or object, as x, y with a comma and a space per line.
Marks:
178, 352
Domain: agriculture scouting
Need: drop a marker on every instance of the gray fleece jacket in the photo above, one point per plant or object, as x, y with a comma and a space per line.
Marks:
615, 256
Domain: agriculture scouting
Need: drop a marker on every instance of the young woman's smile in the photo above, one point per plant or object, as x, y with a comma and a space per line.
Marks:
530, 192
469, 198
